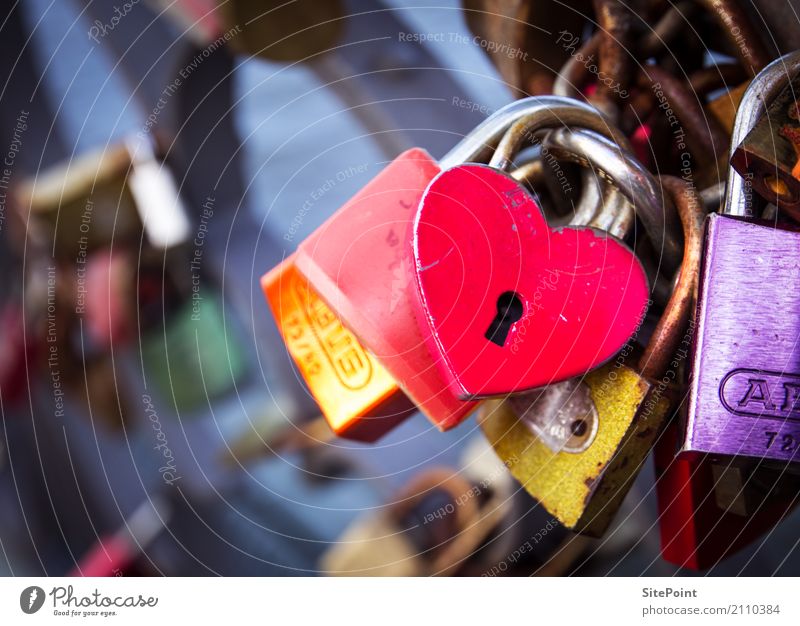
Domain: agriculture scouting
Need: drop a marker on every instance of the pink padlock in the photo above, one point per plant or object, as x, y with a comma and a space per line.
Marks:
508, 303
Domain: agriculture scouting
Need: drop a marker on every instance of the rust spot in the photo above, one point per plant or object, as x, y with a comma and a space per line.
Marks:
590, 483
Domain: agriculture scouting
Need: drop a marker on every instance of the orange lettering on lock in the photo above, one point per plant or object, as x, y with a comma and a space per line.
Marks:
357, 396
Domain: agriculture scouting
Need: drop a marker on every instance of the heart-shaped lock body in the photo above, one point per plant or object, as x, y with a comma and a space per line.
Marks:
508, 304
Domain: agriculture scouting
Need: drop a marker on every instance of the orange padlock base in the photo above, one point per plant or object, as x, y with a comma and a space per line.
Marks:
357, 396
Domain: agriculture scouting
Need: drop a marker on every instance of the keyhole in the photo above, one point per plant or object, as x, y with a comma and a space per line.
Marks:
579, 427
509, 310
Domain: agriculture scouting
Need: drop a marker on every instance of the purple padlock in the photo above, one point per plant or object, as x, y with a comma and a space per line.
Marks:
744, 396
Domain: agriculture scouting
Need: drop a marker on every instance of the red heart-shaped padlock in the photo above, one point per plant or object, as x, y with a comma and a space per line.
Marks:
506, 303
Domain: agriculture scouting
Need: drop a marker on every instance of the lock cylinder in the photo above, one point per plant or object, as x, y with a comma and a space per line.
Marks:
583, 485
563, 416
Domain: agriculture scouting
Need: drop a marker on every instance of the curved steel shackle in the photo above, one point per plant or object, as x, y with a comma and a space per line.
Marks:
627, 174
547, 111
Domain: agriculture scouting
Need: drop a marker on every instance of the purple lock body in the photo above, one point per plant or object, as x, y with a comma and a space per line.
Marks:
745, 388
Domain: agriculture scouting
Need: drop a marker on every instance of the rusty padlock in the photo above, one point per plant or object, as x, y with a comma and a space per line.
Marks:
513, 33
430, 528
769, 156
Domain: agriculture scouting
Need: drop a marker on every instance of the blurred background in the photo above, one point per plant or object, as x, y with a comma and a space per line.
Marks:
152, 419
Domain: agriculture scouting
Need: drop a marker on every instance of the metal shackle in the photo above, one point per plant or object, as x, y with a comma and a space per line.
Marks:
619, 167
530, 114
515, 124
600, 205
666, 336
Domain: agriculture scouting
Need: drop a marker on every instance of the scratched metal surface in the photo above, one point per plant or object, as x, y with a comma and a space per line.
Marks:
743, 393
